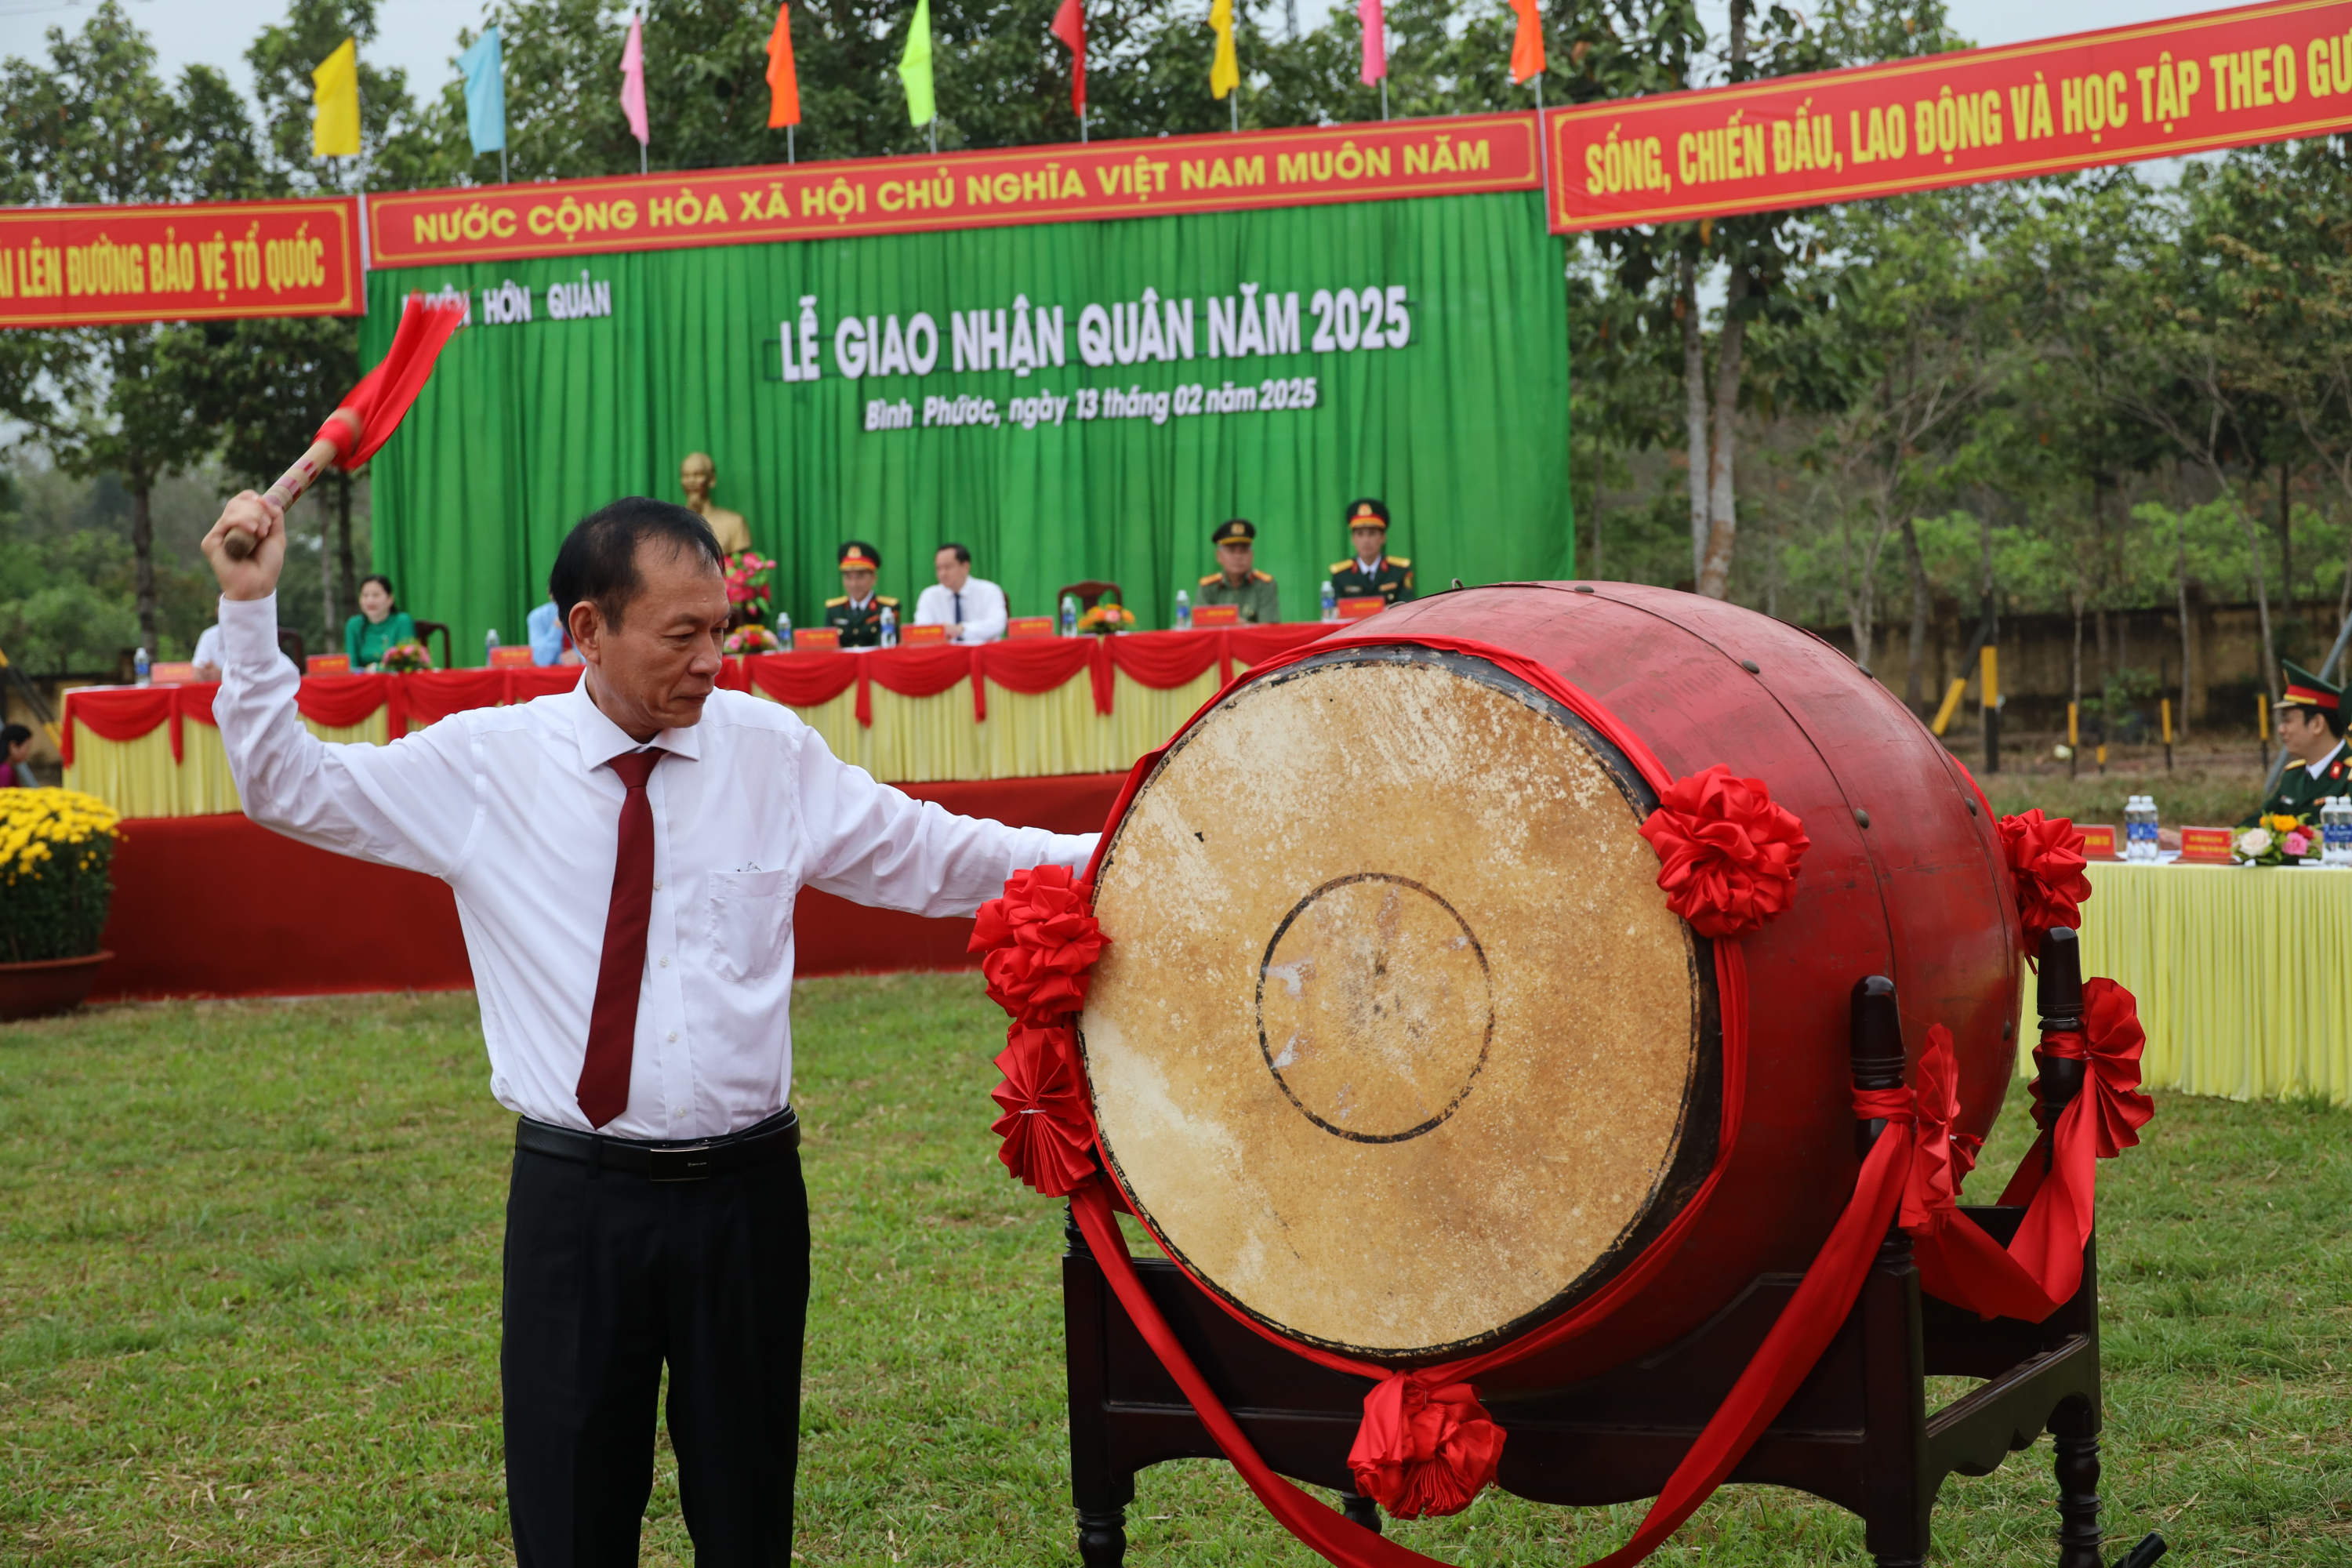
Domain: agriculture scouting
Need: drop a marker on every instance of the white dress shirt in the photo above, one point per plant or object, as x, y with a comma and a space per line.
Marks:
514, 808
984, 615
208, 648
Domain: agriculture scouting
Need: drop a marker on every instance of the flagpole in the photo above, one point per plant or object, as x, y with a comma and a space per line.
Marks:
1384, 95
792, 153
1235, 98
934, 127
502, 166
1082, 127
1543, 147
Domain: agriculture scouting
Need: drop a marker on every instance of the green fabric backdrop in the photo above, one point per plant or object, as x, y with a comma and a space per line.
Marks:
527, 426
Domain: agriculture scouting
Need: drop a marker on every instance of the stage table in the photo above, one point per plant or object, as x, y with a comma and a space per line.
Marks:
2243, 974
910, 715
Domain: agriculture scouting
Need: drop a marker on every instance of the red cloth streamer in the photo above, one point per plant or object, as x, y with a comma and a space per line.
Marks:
2041, 1268
1729, 854
124, 714
339, 701
912, 672
2045, 855
1424, 1450
1047, 1128
430, 696
381, 398
1164, 664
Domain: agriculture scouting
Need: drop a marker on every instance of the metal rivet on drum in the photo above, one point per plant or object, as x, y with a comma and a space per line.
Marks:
1971, 805
1860, 817
1457, 582
1584, 588
1751, 667
2007, 1029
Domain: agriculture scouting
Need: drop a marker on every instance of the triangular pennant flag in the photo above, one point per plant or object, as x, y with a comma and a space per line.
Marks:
784, 86
1526, 42
1070, 26
915, 68
633, 82
1376, 40
335, 97
1225, 70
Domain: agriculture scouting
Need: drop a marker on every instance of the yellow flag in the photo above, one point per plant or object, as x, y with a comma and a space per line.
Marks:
335, 94
1225, 70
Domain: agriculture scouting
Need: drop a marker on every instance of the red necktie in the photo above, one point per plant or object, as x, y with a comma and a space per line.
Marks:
603, 1091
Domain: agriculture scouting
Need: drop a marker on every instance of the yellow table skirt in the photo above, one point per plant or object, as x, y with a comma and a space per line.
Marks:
2244, 974
914, 739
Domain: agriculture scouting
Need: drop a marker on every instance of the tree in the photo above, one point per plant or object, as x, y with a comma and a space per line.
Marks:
97, 125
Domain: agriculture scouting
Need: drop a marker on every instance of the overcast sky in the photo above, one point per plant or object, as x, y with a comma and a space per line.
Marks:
421, 35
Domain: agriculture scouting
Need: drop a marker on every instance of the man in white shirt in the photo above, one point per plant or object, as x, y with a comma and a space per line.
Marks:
971, 608
625, 856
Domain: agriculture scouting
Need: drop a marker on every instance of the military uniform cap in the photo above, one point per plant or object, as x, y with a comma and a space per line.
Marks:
1368, 514
1238, 531
857, 552
2305, 689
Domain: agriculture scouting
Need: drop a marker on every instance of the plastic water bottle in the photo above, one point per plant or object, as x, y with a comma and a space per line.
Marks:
889, 626
142, 669
489, 648
1183, 611
1069, 615
1330, 602
2335, 831
783, 631
2139, 829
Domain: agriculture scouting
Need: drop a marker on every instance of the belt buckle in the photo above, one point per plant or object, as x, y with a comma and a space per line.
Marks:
689, 1165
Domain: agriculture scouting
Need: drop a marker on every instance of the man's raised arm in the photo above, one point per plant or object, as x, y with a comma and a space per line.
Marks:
412, 804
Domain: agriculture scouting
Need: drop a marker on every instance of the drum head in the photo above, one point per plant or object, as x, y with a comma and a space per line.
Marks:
1396, 1045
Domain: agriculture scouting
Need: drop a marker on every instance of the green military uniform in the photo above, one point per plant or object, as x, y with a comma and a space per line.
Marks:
861, 626
2299, 794
1257, 596
1390, 576
1392, 579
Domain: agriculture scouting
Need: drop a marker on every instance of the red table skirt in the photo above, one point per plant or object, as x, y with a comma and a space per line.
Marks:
215, 906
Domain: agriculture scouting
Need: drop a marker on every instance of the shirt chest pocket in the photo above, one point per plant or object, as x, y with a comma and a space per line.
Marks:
750, 921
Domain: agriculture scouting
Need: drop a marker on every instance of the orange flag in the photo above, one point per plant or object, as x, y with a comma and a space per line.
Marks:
1527, 43
783, 87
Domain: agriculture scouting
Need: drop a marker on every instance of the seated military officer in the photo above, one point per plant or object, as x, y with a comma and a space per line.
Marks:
2311, 726
858, 611
1237, 580
1371, 570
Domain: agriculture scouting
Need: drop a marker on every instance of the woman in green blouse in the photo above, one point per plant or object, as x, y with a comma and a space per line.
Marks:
379, 625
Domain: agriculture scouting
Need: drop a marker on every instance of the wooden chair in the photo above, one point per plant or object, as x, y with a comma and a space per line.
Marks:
425, 631
1087, 593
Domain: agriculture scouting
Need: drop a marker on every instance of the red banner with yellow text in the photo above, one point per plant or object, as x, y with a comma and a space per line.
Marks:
85, 267
2223, 78
963, 190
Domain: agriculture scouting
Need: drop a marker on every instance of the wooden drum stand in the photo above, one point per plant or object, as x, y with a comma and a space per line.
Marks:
1857, 1431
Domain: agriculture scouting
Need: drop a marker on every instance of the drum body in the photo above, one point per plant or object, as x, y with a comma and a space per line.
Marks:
1397, 1048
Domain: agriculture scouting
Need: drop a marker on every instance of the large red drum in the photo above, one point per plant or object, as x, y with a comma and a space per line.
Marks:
1397, 1048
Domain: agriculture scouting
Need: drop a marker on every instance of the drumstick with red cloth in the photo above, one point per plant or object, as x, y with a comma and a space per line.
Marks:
372, 411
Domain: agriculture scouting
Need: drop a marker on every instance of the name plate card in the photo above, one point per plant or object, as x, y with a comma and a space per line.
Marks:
921, 637
816, 639
1021, 627
173, 672
2205, 846
330, 664
2098, 843
1208, 618
512, 657
1356, 609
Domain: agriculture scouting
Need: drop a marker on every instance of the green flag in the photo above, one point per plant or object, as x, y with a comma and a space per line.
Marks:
915, 68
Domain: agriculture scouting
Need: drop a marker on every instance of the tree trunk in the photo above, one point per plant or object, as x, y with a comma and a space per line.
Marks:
344, 554
1723, 518
143, 551
2188, 642
2074, 685
1914, 677
2286, 546
1695, 410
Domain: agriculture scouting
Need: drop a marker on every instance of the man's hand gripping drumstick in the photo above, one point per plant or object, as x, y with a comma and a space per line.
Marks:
257, 524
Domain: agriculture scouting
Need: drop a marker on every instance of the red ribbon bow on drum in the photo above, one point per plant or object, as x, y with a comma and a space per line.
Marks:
1730, 855
1942, 1159
1424, 1448
1048, 1132
2045, 856
2111, 1040
1041, 940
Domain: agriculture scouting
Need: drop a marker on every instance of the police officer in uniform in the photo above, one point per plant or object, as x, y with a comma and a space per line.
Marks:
1238, 582
1371, 570
858, 611
2310, 724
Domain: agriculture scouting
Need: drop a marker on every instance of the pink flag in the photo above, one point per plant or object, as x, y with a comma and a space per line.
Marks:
633, 82
1376, 41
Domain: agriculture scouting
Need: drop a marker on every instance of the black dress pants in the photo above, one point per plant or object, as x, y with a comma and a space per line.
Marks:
608, 1276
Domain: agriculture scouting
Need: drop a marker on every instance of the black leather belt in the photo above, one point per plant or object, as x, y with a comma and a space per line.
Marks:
763, 1145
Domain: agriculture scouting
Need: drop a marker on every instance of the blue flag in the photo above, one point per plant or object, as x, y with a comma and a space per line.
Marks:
486, 94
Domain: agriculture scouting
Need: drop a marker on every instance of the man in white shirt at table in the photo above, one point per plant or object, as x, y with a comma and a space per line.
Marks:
972, 609
624, 859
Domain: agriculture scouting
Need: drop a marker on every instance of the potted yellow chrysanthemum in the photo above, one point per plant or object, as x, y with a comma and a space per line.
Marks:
56, 846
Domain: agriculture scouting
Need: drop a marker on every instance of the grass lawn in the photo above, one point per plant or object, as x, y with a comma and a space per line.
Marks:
249, 1300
